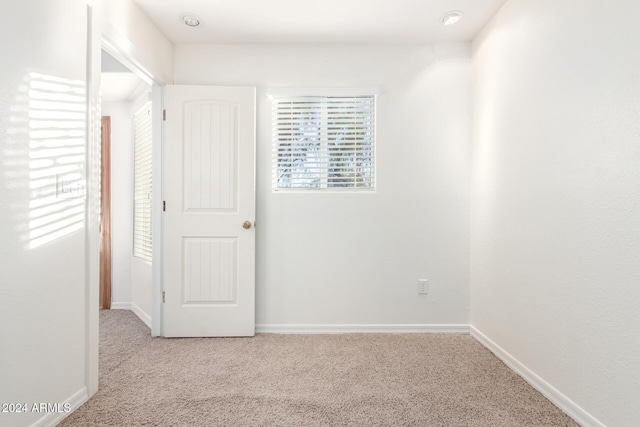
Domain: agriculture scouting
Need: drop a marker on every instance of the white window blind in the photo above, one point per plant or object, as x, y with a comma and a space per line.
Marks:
323, 142
143, 190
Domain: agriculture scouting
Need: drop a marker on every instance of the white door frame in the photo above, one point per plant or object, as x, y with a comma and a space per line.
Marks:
92, 219
157, 107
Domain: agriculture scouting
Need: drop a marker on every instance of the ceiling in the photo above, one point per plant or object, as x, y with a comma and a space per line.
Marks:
320, 21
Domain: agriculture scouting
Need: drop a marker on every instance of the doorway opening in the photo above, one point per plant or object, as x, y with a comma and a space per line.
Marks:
122, 94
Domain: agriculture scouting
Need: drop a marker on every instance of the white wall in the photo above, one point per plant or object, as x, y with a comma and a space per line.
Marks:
356, 258
121, 200
43, 289
141, 289
136, 39
556, 197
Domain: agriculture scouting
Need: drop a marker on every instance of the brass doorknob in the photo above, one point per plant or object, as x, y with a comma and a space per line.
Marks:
246, 225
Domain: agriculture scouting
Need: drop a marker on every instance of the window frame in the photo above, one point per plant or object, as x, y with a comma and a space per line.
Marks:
279, 93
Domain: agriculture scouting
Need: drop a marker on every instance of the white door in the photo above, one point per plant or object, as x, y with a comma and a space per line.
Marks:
208, 271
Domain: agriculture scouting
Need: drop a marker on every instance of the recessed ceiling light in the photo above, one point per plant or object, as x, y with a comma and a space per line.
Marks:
452, 17
191, 21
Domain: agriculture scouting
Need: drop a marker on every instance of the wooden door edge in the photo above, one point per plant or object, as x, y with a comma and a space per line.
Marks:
105, 223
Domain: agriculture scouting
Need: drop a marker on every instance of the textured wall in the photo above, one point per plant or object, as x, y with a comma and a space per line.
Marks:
555, 258
356, 258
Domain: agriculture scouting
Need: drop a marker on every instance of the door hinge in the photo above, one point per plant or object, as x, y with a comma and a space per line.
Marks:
164, 206
163, 300
164, 115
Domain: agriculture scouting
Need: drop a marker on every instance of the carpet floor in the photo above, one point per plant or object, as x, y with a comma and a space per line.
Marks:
305, 380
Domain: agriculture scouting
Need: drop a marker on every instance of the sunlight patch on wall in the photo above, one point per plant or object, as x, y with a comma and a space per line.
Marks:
57, 155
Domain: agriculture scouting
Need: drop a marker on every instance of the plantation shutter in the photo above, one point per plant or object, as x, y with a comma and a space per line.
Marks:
324, 142
142, 183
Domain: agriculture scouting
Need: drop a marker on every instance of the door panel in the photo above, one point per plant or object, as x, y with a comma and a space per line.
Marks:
209, 190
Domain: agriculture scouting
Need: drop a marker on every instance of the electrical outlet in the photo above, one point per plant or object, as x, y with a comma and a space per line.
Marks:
423, 286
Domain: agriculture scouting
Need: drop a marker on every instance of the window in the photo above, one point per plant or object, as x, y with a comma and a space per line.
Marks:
323, 142
142, 183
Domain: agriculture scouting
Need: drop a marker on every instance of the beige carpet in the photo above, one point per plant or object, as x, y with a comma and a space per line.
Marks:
305, 380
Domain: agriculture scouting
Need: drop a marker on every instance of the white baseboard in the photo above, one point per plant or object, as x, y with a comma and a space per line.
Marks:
120, 306
361, 328
74, 402
146, 319
569, 407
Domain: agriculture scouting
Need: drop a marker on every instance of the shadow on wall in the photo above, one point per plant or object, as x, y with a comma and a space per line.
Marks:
51, 113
